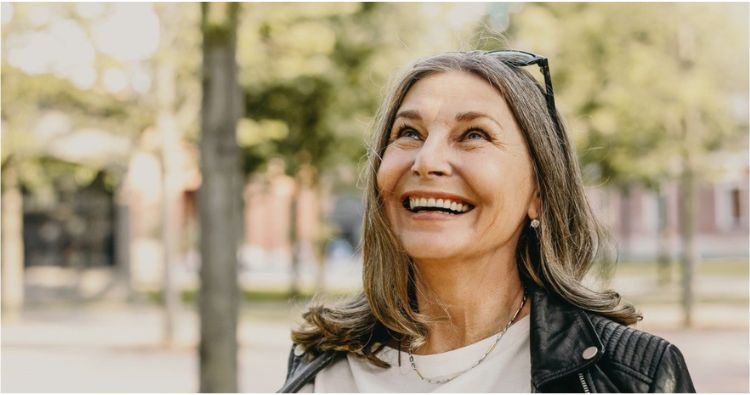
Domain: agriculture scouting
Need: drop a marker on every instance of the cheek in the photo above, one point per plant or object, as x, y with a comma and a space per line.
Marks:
390, 171
519, 190
502, 182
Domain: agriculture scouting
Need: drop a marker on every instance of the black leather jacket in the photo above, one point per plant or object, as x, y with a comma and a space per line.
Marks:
572, 350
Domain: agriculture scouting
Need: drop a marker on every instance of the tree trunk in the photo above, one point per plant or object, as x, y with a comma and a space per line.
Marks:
122, 240
688, 226
295, 275
320, 274
12, 244
171, 189
664, 257
691, 128
689, 245
626, 206
219, 200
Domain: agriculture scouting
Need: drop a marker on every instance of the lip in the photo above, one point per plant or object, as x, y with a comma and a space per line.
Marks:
432, 216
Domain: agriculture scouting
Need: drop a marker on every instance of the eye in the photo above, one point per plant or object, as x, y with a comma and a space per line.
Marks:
476, 134
408, 132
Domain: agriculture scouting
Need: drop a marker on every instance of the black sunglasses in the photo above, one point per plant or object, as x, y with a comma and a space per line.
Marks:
521, 59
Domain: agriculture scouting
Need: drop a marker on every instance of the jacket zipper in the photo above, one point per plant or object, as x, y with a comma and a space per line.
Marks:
583, 383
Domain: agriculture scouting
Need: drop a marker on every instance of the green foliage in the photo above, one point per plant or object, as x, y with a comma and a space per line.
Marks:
34, 94
321, 69
32, 150
219, 21
295, 61
312, 74
29, 98
124, 116
300, 103
641, 83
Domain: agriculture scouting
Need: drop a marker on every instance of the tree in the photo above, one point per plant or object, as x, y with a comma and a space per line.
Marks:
41, 83
219, 199
647, 91
313, 76
12, 237
172, 131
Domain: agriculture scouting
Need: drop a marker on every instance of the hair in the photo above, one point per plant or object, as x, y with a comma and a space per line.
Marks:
555, 258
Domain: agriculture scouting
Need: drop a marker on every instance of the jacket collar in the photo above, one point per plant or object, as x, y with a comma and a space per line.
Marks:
559, 334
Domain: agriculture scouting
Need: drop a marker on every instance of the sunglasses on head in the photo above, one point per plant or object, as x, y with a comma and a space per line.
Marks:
521, 59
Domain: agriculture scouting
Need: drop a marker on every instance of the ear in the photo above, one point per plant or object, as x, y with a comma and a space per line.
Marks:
535, 205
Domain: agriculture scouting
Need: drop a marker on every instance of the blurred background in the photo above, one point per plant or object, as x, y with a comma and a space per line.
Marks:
102, 136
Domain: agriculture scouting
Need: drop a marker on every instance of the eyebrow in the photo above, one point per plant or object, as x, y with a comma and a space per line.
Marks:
409, 114
472, 115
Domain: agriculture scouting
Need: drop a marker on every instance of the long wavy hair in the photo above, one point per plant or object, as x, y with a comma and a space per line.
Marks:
556, 257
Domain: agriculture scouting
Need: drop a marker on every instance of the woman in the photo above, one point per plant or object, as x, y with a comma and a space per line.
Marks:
477, 234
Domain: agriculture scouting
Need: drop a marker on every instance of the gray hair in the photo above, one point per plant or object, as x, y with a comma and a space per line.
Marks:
556, 257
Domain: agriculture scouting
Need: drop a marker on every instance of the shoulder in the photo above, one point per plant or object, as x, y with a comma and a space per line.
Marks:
302, 367
634, 354
580, 347
636, 349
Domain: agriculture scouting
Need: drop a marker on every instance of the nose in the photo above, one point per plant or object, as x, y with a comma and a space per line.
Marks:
432, 158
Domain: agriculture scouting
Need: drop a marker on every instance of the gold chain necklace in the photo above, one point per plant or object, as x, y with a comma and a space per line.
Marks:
498, 336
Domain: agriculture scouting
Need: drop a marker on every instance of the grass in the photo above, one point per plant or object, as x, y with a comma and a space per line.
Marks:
675, 298
706, 267
278, 303
261, 305
189, 296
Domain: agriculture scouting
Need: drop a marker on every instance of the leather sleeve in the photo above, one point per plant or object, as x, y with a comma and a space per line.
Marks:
301, 371
290, 365
672, 374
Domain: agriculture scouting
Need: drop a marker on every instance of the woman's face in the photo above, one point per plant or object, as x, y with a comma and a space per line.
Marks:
456, 178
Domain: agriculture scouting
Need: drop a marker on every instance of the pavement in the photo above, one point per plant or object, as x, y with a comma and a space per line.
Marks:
111, 346
118, 348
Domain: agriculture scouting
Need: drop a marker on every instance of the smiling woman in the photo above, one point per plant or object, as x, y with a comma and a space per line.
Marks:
455, 139
477, 235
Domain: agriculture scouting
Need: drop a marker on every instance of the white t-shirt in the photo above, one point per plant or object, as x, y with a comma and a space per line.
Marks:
506, 369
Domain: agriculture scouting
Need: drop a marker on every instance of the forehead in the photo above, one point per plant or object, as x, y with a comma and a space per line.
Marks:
455, 91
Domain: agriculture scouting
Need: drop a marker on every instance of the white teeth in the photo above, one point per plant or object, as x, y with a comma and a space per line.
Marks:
442, 203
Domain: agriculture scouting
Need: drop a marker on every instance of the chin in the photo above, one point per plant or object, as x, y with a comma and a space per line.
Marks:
424, 248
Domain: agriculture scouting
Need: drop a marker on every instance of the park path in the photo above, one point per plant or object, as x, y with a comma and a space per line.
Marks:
117, 348
106, 348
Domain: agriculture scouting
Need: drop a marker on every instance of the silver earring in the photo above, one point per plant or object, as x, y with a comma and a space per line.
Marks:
535, 223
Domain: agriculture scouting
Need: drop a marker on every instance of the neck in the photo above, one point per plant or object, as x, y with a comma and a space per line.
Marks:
467, 300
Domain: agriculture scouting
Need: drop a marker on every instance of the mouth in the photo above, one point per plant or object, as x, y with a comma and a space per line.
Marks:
442, 204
